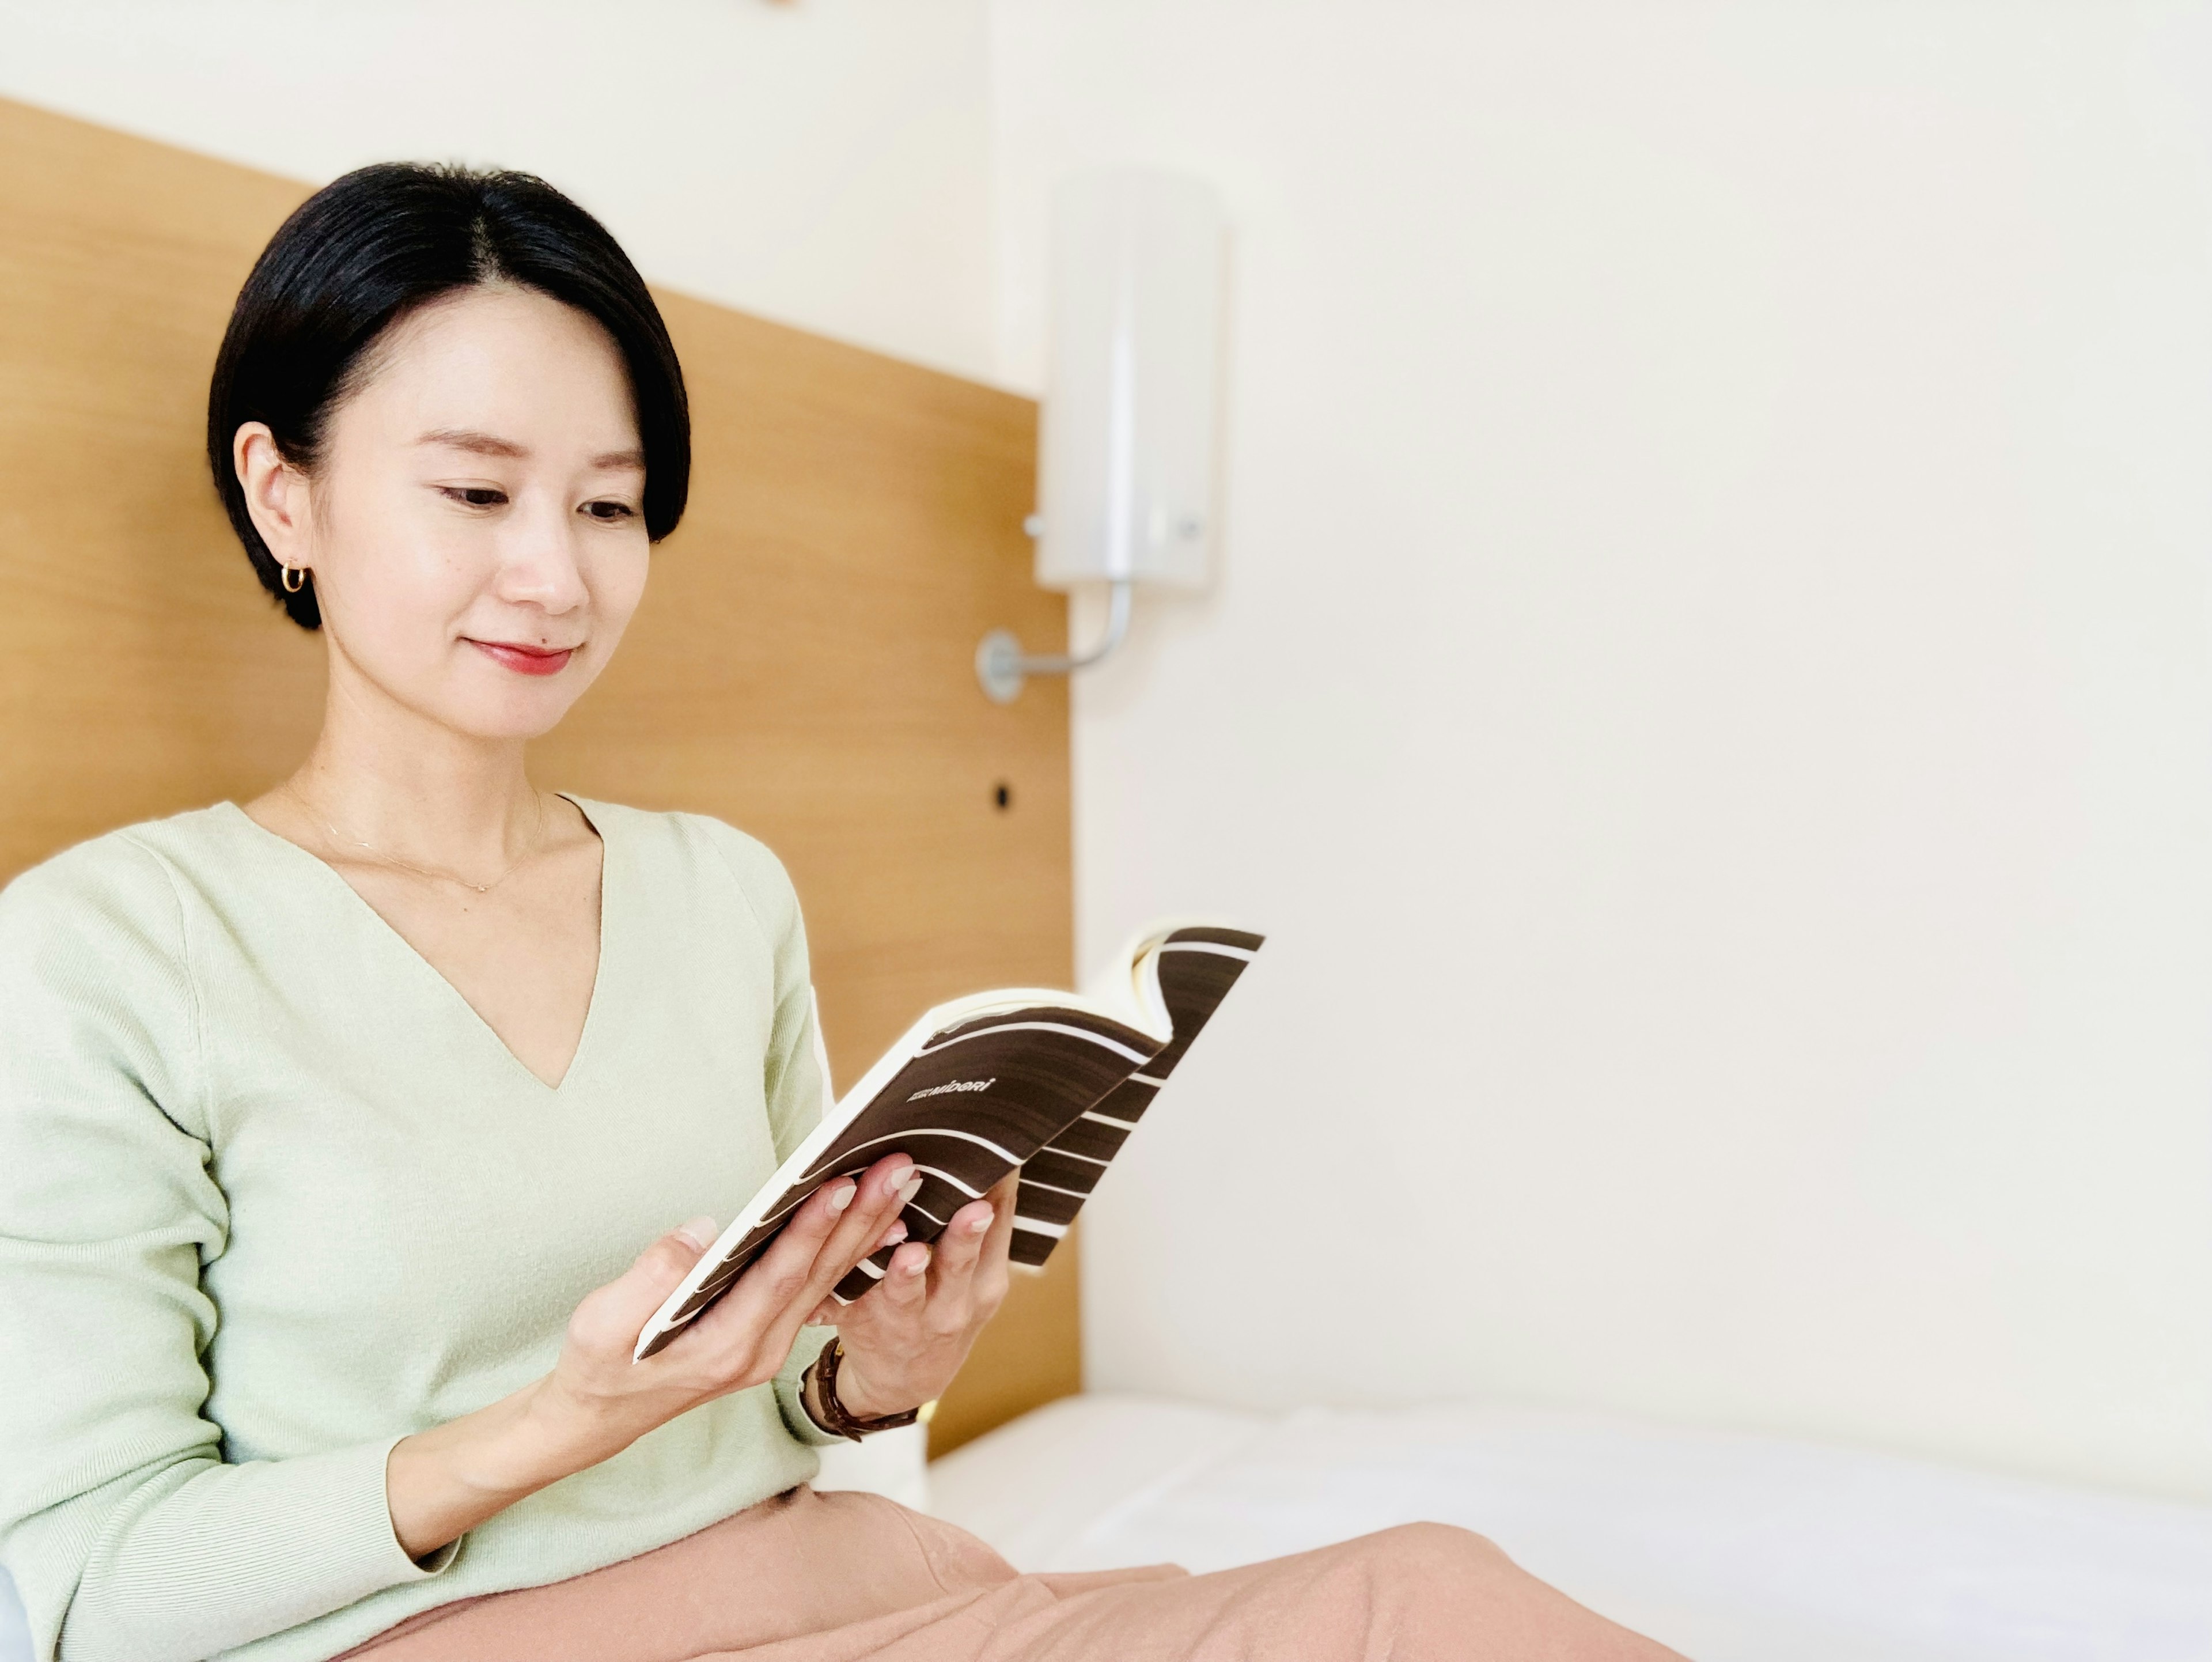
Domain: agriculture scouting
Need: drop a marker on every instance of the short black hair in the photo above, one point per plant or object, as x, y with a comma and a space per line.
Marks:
370, 248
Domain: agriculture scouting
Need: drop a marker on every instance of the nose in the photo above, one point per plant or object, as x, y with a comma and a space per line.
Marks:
540, 562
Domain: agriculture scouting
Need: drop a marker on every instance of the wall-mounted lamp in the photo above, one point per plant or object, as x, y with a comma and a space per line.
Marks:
1124, 457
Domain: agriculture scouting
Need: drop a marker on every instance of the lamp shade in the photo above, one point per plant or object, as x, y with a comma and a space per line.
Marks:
1126, 454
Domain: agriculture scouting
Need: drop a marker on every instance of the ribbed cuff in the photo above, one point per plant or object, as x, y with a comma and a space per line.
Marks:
332, 1512
405, 1569
796, 1419
235, 1553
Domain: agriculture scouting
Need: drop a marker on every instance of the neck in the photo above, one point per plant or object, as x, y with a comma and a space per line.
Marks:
411, 788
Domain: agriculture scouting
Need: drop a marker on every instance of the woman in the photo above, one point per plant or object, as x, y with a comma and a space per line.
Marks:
330, 1126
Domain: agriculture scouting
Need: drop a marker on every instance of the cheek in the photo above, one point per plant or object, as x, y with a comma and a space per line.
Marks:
617, 580
391, 584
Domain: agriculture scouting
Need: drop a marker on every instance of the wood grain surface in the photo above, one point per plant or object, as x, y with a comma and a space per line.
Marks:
801, 666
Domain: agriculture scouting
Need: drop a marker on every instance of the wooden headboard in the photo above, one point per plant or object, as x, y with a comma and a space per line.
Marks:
801, 666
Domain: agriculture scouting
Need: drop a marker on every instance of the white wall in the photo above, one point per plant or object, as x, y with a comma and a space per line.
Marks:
1708, 690
824, 163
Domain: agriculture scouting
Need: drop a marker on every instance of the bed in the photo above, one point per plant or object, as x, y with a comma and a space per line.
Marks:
1731, 1549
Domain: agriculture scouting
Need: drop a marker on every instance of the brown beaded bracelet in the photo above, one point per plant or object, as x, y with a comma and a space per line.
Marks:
832, 1416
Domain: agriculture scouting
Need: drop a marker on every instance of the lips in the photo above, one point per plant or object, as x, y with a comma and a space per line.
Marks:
526, 660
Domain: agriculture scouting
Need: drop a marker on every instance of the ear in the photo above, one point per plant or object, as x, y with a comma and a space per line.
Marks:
276, 494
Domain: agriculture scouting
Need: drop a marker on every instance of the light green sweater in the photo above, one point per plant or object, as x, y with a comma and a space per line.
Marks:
272, 1195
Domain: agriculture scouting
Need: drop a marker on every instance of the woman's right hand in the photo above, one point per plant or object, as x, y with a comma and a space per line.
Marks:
597, 1401
600, 1400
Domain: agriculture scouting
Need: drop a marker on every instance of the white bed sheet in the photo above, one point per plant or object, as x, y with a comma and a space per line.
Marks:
1729, 1549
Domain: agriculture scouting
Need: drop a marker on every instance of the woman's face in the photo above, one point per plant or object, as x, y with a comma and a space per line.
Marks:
476, 524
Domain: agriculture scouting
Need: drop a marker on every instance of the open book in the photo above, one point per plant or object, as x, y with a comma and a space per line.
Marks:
1049, 1081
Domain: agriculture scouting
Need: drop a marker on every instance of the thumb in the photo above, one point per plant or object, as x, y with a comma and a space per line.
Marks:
615, 1313
700, 1232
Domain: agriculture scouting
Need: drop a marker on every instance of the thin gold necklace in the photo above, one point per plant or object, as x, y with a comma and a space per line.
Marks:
371, 850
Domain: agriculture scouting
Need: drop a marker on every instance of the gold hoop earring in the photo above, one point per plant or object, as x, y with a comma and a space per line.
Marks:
294, 578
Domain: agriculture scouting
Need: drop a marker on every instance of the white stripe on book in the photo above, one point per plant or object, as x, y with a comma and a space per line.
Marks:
1035, 1228
1029, 1182
939, 1172
1054, 1147
1100, 1039
873, 1273
1147, 1079
933, 1131
1108, 1119
1214, 946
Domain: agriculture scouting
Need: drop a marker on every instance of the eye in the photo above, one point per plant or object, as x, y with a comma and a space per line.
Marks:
473, 496
608, 512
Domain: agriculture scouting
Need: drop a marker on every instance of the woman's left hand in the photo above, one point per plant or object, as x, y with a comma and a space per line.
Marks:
906, 1336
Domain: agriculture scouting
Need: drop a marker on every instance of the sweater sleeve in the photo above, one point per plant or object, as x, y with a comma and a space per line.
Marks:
128, 1533
796, 1081
794, 1075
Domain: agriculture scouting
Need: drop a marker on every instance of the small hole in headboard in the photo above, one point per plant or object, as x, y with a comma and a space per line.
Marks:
1003, 795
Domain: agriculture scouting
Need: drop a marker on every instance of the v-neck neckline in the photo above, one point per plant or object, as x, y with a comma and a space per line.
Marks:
576, 1057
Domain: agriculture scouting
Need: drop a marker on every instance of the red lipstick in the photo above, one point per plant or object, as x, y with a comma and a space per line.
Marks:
526, 660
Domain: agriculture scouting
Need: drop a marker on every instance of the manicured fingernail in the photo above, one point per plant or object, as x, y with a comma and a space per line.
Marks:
699, 1232
916, 1264
909, 1189
841, 1196
896, 1234
978, 1224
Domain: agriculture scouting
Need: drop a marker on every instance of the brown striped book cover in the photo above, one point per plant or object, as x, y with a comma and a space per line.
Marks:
1052, 1082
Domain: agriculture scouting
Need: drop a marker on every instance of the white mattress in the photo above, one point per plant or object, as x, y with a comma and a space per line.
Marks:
1729, 1549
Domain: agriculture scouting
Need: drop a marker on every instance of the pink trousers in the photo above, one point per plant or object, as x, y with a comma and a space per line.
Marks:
834, 1578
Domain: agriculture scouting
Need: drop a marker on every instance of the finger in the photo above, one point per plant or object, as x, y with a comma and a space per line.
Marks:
826, 1314
992, 1276
905, 1285
862, 1214
700, 1232
884, 1188
835, 1225
958, 1250
782, 1271
1005, 1196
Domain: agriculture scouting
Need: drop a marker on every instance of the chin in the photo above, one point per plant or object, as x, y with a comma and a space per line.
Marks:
495, 703
526, 720
507, 714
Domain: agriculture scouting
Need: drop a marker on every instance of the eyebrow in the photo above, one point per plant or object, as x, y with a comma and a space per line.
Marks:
490, 444
464, 438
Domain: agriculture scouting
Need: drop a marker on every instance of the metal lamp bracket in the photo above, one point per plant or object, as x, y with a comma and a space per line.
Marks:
1001, 665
